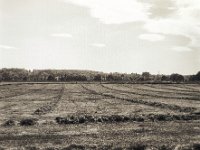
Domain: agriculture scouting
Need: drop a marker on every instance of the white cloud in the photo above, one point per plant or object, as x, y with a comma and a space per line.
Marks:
65, 35
181, 49
100, 45
115, 11
151, 37
185, 20
7, 47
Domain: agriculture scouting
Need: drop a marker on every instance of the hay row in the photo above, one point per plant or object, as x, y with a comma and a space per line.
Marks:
171, 89
48, 107
148, 103
197, 98
160, 91
105, 119
122, 118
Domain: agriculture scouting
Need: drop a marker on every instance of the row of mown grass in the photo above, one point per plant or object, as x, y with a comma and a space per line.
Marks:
105, 119
48, 107
144, 102
121, 118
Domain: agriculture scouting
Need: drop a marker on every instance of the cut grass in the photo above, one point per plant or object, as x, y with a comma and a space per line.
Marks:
48, 107
149, 103
120, 118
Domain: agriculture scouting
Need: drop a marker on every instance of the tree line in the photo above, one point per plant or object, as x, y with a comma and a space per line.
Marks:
23, 75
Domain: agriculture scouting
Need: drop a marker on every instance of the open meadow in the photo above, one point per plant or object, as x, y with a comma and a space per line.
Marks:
99, 116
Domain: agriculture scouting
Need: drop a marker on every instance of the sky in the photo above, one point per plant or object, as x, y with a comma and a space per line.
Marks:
158, 36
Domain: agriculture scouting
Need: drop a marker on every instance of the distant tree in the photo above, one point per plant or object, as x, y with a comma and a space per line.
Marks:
116, 77
51, 78
97, 77
25, 78
6, 76
110, 77
176, 77
192, 78
146, 75
122, 77
198, 76
164, 78
81, 78
195, 77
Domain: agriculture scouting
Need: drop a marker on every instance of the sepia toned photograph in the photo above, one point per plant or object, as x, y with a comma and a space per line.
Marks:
99, 74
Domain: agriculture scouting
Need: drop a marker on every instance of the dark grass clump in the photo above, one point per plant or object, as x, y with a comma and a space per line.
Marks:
106, 119
137, 118
75, 147
81, 119
162, 117
31, 148
60, 120
196, 113
137, 147
120, 118
126, 118
177, 117
188, 117
39, 111
73, 120
9, 123
116, 118
164, 147
90, 118
96, 119
44, 109
51, 148
99, 119
105, 147
118, 148
168, 117
28, 122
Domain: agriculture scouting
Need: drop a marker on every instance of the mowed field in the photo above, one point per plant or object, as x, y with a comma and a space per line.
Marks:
99, 116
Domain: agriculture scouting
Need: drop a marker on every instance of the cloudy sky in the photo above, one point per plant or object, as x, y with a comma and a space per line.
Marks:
159, 36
